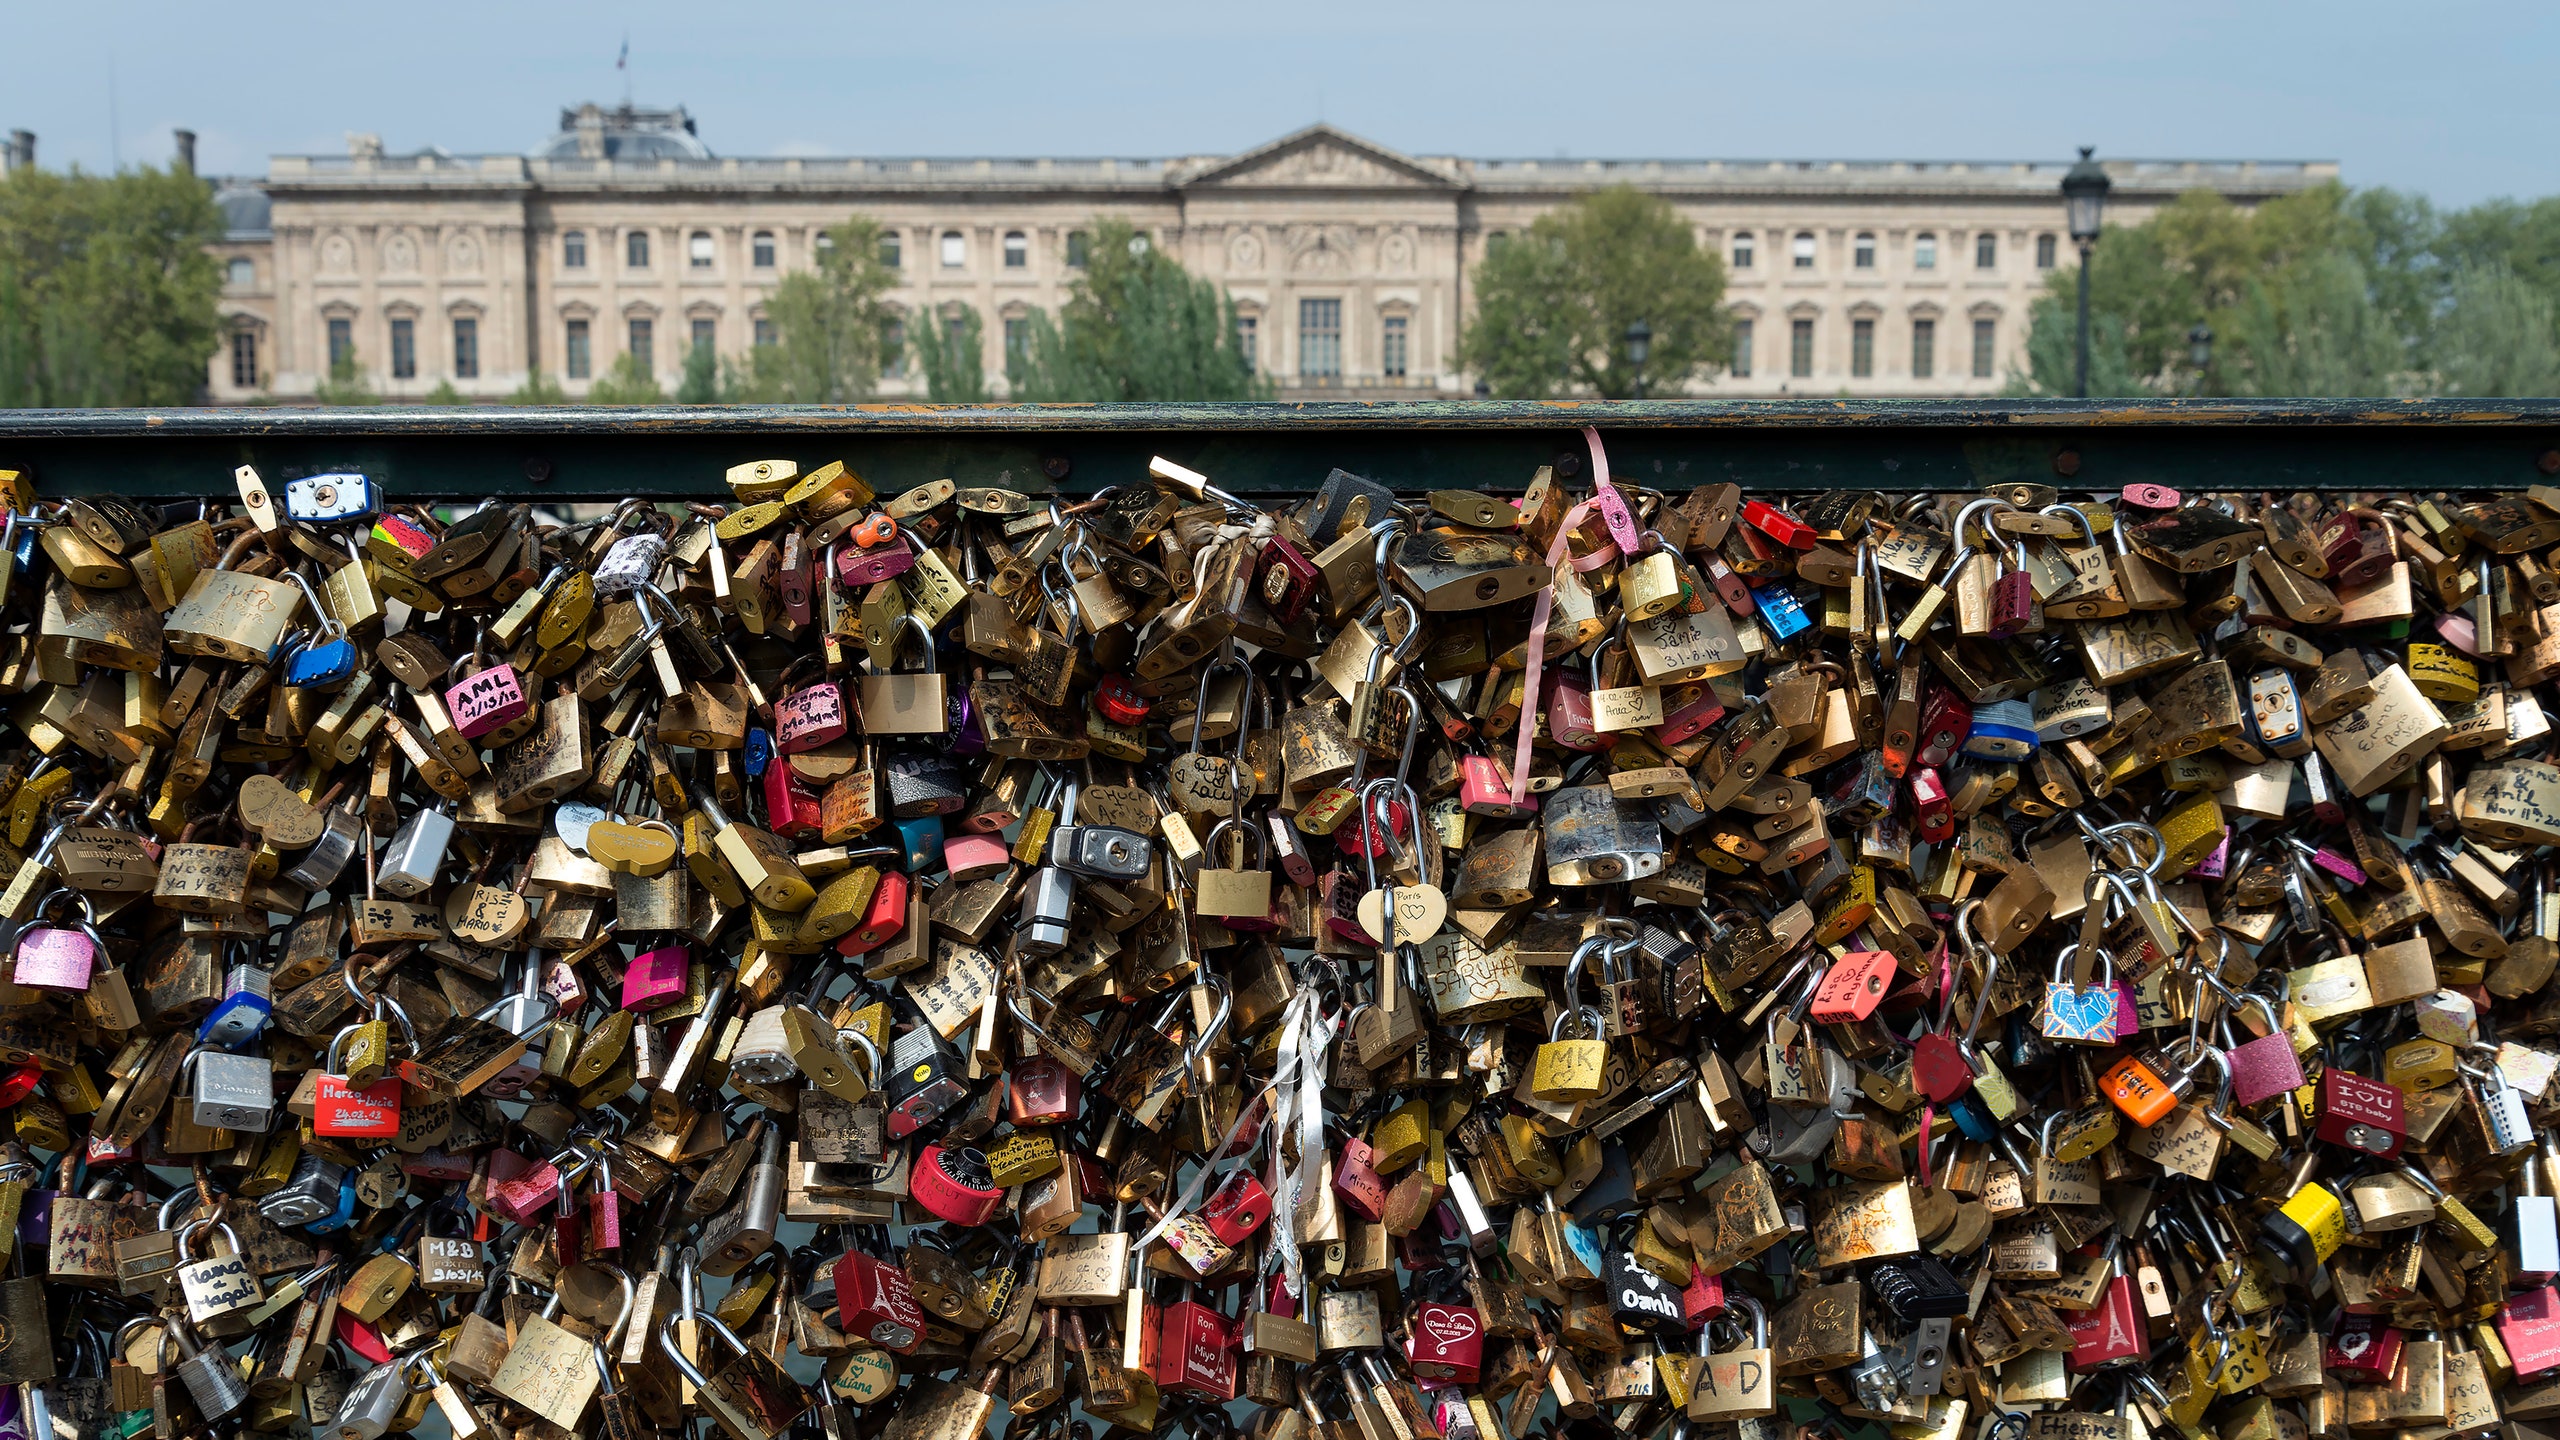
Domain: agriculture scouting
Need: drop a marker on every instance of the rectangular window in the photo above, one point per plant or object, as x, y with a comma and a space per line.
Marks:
1924, 349
1800, 350
1982, 336
466, 348
705, 334
1319, 338
1986, 251
1017, 342
342, 342
1247, 339
766, 334
580, 357
893, 349
1742, 349
404, 349
244, 358
2044, 252
1862, 348
1391, 347
643, 334
635, 249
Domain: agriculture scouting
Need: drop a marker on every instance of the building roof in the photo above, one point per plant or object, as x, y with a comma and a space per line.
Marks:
245, 208
644, 147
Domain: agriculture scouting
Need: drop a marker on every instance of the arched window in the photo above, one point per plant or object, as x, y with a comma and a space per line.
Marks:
635, 249
1863, 254
698, 249
1017, 250
573, 250
1924, 251
955, 250
764, 250
1803, 250
1744, 250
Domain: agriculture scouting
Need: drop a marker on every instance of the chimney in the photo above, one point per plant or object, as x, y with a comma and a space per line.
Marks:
22, 149
186, 150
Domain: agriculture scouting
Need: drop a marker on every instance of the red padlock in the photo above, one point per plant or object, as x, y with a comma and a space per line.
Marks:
2109, 1332
1932, 807
1285, 579
1119, 701
1731, 588
342, 1111
858, 570
1355, 1180
1946, 720
874, 1303
1237, 1208
1484, 790
1687, 710
952, 1182
1939, 1069
883, 918
1778, 525
2529, 1324
1853, 987
2362, 1349
2362, 1115
1703, 1299
1448, 1342
1196, 1351
795, 811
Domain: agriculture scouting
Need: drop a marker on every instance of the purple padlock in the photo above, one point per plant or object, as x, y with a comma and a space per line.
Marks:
2212, 866
860, 569
2128, 1010
961, 717
656, 978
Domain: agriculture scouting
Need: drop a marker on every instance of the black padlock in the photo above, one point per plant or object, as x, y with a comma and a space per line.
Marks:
1638, 1298
923, 1081
922, 784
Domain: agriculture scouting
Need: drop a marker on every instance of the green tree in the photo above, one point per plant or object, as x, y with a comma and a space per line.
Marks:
347, 383
629, 382
538, 389
951, 351
1135, 326
830, 325
1554, 303
2497, 336
2314, 329
443, 394
106, 289
701, 382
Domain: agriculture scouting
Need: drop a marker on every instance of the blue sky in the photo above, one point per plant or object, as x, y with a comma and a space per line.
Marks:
2451, 99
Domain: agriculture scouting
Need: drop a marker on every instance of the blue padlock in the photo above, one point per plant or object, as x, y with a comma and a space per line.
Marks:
327, 662
2003, 730
326, 499
246, 1003
343, 1216
1781, 611
921, 838
759, 752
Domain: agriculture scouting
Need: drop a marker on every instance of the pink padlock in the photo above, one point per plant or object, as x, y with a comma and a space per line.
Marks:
656, 978
484, 702
974, 857
1483, 790
2266, 1067
1569, 721
860, 569
2151, 497
809, 717
54, 957
524, 1198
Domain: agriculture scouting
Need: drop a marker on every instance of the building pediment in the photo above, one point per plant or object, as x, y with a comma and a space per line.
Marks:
1320, 158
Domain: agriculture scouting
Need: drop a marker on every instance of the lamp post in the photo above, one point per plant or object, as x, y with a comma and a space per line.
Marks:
2200, 351
1639, 345
2084, 198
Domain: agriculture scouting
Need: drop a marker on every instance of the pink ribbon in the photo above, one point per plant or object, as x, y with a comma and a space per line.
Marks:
1534, 660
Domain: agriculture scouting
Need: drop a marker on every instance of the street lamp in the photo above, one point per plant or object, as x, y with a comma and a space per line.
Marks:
2084, 198
2200, 351
1639, 345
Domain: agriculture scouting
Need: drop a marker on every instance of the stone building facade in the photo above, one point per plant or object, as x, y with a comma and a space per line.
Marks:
1350, 263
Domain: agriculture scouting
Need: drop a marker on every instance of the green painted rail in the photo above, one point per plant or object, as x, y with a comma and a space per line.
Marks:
1283, 448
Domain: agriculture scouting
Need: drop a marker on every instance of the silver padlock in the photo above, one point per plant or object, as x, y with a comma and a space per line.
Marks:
2534, 1229
212, 1380
232, 1092
219, 1285
408, 865
630, 564
1048, 901
1594, 839
321, 499
310, 1193
1104, 852
745, 1230
373, 1402
762, 1054
2502, 1106
521, 1014
322, 864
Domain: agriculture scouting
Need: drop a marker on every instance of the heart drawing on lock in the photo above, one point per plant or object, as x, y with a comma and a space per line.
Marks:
1450, 1327
2080, 1014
